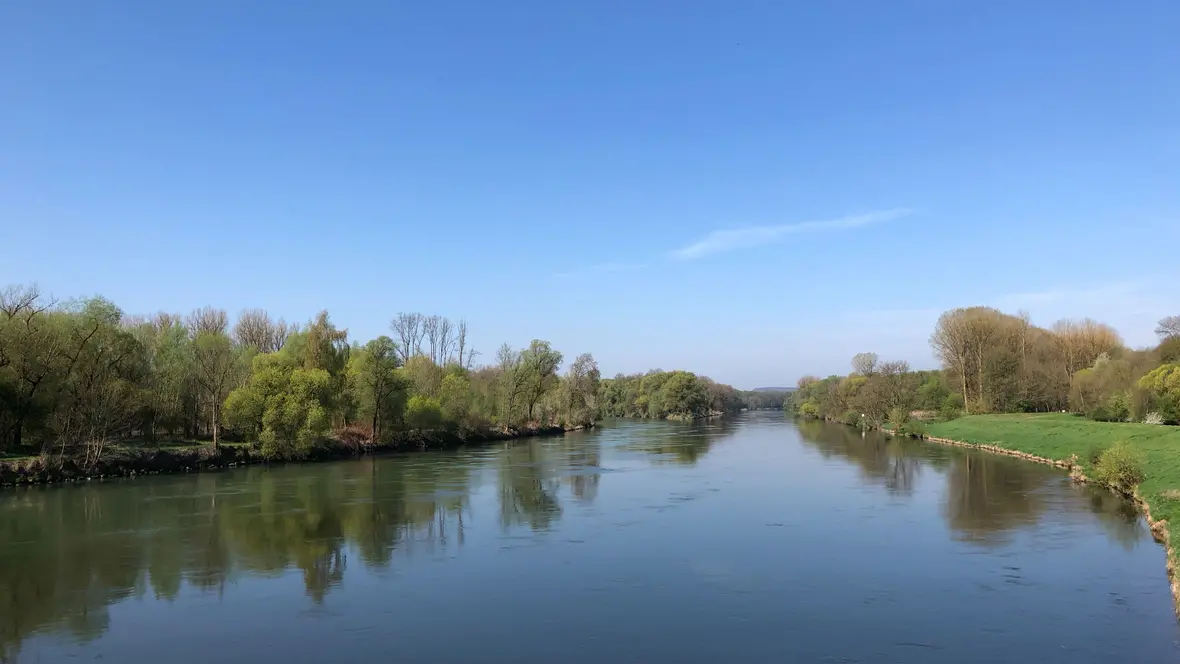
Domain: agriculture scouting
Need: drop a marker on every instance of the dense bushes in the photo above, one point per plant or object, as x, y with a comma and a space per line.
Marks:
423, 412
286, 408
1163, 387
1121, 466
868, 400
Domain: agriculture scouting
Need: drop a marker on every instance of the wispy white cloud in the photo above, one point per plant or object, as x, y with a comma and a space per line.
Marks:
754, 236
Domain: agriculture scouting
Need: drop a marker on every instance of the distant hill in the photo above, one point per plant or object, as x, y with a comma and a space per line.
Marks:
773, 389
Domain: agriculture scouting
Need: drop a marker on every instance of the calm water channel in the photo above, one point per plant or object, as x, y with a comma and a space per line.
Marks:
749, 540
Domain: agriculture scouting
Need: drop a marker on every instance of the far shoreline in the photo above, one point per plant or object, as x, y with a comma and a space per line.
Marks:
136, 462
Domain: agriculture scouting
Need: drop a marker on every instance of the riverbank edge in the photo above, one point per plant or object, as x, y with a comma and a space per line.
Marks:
160, 461
1160, 528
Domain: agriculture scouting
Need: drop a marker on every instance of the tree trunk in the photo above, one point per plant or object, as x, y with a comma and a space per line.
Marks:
216, 428
966, 400
979, 364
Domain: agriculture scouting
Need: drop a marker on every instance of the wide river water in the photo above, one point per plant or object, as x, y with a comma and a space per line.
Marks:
746, 540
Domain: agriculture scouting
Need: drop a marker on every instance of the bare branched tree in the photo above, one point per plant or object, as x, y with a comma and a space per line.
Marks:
461, 343
1082, 341
1168, 328
439, 332
255, 329
446, 340
23, 302
207, 320
409, 330
865, 364
164, 320
952, 346
282, 332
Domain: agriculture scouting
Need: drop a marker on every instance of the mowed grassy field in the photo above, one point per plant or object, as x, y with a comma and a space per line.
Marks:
1060, 435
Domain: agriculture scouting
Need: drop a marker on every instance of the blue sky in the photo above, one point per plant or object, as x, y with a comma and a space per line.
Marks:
751, 190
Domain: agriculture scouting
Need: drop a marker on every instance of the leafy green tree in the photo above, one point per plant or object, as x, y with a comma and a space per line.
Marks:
683, 395
286, 407
582, 381
1168, 352
379, 388
38, 344
454, 396
539, 364
100, 398
170, 380
326, 348
1164, 384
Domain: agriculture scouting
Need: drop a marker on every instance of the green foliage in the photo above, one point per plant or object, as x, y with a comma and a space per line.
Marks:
898, 417
933, 393
1168, 352
379, 390
423, 375
765, 399
80, 373
454, 397
284, 406
1163, 384
580, 391
913, 427
538, 365
852, 418
1121, 466
423, 412
1094, 453
951, 407
666, 395
810, 408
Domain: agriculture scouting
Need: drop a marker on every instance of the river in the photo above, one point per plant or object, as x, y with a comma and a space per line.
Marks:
753, 539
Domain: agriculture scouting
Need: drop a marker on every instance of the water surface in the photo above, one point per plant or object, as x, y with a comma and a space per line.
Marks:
746, 540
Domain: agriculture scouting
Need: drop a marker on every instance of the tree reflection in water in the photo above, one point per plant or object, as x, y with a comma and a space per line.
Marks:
681, 443
67, 553
987, 498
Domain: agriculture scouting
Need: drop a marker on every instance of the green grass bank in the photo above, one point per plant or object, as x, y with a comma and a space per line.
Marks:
1074, 440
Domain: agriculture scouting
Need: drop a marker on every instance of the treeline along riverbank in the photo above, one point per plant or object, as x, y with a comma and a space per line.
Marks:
86, 390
